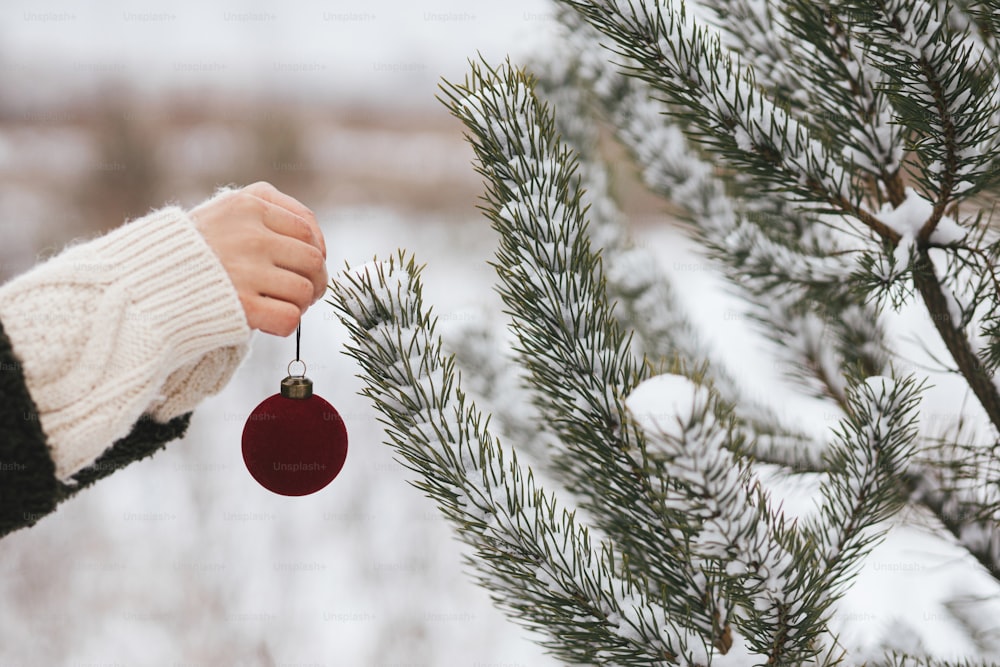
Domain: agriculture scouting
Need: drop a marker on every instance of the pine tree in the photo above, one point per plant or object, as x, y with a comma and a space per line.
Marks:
836, 162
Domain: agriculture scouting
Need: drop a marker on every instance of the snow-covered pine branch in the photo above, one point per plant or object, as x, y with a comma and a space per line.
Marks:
752, 29
742, 540
491, 377
537, 561
943, 91
760, 248
719, 104
645, 300
844, 93
866, 486
577, 357
789, 261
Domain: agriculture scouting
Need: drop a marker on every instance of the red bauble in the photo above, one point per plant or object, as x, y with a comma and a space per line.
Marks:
294, 443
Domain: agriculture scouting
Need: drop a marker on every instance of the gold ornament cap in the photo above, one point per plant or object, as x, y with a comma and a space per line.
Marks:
297, 387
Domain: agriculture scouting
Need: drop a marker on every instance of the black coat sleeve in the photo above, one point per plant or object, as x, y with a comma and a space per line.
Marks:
29, 489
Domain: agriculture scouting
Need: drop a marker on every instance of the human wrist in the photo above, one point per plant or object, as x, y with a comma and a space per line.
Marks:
175, 283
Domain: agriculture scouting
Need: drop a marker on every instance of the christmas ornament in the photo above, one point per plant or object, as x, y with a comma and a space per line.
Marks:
294, 442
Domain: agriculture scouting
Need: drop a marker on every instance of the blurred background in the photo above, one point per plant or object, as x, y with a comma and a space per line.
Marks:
111, 108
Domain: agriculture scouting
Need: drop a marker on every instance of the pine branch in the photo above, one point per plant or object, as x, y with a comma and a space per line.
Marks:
985, 16
720, 106
942, 91
762, 247
491, 376
866, 486
538, 562
635, 282
753, 30
742, 539
845, 93
929, 287
576, 356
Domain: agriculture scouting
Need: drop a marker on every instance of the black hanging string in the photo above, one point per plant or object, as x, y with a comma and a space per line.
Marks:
298, 338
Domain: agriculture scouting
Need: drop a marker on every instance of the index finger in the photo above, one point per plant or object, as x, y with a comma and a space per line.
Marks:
271, 194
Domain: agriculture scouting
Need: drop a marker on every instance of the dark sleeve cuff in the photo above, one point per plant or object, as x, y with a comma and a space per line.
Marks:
147, 438
29, 489
27, 474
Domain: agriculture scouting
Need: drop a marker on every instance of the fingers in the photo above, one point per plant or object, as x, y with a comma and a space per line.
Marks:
278, 318
294, 245
272, 195
277, 301
272, 249
290, 288
304, 261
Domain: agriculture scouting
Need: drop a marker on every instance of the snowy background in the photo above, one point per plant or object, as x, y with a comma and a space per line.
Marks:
113, 108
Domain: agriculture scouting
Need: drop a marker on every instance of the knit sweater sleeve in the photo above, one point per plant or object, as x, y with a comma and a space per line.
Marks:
29, 489
121, 336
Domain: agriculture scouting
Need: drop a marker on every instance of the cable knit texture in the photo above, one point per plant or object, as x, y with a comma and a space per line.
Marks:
136, 326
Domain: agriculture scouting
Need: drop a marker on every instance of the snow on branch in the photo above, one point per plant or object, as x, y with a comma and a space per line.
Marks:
942, 85
539, 563
866, 486
722, 107
742, 539
844, 93
576, 355
754, 30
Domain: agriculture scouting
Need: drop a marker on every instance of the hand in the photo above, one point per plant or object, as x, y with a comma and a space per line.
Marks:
272, 249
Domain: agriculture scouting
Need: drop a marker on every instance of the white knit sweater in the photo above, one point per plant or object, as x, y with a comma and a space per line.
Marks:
140, 323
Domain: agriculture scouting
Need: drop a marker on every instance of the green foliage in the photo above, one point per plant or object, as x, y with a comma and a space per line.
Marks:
818, 152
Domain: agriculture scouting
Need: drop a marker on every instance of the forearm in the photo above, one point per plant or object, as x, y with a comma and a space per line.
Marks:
137, 325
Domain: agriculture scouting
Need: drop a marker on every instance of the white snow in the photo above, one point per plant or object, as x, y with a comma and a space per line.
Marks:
632, 272
948, 231
909, 217
664, 403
